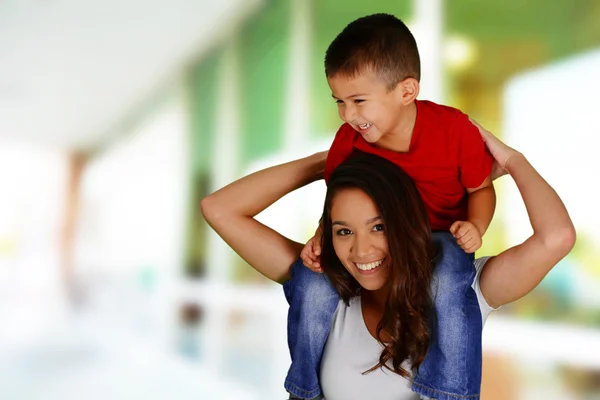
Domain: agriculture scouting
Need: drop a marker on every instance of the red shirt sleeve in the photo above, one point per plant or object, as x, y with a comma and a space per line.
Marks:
340, 149
474, 159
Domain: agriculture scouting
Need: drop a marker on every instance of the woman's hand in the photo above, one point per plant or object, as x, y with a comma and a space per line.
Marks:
500, 151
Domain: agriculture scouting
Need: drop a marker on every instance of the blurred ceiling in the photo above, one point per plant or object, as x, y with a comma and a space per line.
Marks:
70, 70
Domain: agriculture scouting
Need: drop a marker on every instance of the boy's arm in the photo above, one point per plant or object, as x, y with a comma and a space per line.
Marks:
482, 203
475, 165
481, 206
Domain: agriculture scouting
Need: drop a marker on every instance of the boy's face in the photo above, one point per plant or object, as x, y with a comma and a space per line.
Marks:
366, 103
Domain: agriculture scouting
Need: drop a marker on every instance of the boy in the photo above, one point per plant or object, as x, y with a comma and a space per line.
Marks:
373, 70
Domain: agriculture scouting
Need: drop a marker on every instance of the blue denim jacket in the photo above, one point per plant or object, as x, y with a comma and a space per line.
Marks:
452, 367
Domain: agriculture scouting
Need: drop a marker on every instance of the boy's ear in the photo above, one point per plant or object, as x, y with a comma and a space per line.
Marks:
407, 91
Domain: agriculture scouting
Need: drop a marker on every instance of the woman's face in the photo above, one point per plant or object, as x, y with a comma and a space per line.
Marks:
359, 238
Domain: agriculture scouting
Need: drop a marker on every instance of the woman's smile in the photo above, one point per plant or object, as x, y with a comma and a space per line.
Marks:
370, 268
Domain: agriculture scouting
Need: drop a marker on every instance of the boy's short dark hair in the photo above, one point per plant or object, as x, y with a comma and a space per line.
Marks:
379, 41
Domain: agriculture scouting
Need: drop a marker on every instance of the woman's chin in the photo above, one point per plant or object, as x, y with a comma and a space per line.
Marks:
374, 280
372, 286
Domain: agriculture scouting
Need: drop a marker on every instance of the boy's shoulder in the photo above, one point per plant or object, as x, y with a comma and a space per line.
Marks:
440, 115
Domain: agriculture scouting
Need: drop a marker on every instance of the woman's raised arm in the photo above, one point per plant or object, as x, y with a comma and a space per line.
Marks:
230, 211
516, 271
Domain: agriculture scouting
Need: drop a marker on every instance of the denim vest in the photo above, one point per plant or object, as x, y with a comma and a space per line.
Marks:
452, 367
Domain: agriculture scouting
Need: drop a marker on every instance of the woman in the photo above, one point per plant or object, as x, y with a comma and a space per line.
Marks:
377, 256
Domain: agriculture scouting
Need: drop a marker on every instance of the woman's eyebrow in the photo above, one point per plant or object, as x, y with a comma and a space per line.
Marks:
369, 221
377, 218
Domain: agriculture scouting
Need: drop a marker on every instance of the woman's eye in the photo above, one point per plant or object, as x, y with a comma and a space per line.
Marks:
343, 232
378, 228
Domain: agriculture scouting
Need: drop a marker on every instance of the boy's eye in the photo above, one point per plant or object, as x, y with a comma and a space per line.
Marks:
339, 102
343, 232
358, 101
378, 228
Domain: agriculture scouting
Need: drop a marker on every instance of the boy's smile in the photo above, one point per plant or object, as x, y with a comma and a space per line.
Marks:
364, 128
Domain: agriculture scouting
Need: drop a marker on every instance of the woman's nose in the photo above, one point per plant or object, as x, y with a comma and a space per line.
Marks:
362, 246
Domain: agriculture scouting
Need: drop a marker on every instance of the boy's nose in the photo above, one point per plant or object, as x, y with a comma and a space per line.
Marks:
350, 114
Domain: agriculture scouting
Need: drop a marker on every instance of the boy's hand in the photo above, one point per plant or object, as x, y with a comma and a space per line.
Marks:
467, 236
311, 253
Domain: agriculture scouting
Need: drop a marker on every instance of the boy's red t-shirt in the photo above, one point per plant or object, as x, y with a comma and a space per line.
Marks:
446, 155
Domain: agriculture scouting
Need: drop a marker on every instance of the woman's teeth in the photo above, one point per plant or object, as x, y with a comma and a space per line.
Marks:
369, 266
365, 126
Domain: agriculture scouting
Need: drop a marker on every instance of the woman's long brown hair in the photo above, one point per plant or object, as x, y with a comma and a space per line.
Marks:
406, 318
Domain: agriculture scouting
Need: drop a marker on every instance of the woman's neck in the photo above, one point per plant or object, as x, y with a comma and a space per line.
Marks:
376, 299
373, 307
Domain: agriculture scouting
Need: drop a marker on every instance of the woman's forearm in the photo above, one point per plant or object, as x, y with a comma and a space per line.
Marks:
518, 270
251, 194
547, 213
